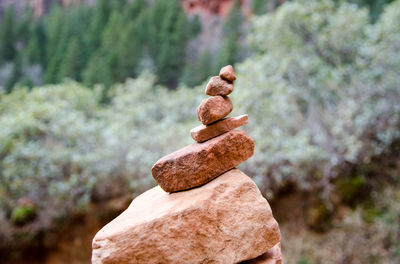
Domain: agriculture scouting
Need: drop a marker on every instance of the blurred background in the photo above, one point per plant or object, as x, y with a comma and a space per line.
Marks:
94, 92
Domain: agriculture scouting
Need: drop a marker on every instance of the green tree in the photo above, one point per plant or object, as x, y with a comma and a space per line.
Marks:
195, 26
56, 42
134, 9
229, 52
173, 38
99, 20
324, 79
259, 6
110, 44
71, 65
130, 49
97, 71
7, 35
35, 50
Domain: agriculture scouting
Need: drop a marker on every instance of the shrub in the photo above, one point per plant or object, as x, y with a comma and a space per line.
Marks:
60, 147
321, 90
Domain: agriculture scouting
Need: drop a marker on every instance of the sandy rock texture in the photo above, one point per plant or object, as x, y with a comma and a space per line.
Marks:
225, 221
227, 73
199, 163
202, 133
218, 86
214, 108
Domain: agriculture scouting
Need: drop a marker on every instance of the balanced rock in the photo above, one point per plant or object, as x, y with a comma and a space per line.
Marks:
227, 73
202, 133
272, 256
225, 221
218, 86
214, 108
199, 163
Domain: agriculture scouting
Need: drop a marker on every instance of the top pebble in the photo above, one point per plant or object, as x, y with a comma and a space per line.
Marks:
227, 73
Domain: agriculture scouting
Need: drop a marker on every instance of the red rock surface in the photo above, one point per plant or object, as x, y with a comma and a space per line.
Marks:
224, 221
214, 108
202, 133
207, 8
199, 163
227, 73
218, 86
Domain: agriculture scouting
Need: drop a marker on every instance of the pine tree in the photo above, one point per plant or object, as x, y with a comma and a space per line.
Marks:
34, 52
134, 9
110, 40
7, 36
204, 66
259, 6
173, 37
195, 26
99, 20
229, 52
56, 43
97, 71
71, 64
130, 49
23, 26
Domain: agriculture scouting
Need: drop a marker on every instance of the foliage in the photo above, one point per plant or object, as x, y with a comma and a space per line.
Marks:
59, 144
113, 37
322, 89
351, 240
22, 214
229, 52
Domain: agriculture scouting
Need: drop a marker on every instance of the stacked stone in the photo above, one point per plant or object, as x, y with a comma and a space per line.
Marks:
212, 110
204, 210
219, 147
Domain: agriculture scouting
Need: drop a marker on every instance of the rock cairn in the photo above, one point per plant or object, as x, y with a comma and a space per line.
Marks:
219, 147
204, 209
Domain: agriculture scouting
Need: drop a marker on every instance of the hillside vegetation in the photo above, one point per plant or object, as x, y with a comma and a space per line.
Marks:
321, 90
109, 42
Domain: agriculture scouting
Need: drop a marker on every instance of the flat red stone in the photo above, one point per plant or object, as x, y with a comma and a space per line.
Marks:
199, 163
202, 133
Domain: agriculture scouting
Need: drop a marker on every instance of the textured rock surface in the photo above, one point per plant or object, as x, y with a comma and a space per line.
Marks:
214, 108
272, 256
225, 221
199, 163
218, 86
202, 133
227, 73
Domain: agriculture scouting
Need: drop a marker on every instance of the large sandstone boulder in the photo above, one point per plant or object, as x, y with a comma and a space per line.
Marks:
199, 163
225, 221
